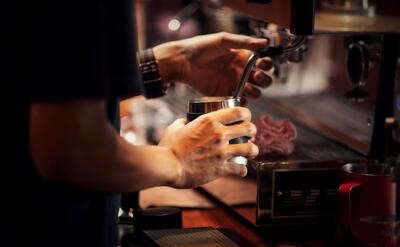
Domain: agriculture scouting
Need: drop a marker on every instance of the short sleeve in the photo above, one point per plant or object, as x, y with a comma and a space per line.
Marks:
74, 49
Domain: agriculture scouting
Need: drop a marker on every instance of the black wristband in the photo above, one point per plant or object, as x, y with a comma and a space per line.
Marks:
152, 80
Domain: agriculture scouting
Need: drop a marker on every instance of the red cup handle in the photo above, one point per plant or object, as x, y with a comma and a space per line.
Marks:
345, 192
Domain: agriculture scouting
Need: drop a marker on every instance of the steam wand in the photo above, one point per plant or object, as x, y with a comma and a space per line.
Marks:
246, 73
260, 53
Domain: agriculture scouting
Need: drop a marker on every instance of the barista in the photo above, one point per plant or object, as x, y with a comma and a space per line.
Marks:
71, 62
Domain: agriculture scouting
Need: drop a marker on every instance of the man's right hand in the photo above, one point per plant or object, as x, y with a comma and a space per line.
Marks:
202, 146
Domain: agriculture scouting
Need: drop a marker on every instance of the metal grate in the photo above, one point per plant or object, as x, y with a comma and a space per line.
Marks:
198, 237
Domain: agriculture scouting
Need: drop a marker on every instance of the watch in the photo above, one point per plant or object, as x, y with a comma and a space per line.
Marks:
148, 65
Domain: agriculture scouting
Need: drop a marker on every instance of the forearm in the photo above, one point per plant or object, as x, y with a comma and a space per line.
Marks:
74, 144
118, 166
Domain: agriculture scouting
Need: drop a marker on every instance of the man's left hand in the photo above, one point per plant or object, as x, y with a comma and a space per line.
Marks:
213, 64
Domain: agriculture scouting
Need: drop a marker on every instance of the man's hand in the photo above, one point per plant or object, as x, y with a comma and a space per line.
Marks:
202, 146
213, 64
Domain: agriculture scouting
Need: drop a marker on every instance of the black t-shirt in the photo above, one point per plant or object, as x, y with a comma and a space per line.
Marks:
57, 51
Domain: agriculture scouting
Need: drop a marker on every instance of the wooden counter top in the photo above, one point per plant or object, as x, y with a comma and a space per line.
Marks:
219, 218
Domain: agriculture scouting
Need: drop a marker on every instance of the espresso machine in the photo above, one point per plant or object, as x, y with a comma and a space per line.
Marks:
341, 96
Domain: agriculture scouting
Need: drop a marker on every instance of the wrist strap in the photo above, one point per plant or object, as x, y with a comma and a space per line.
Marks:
152, 80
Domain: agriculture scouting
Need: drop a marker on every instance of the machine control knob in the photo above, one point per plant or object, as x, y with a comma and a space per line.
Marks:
357, 65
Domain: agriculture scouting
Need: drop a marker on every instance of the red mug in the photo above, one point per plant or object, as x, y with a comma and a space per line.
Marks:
366, 191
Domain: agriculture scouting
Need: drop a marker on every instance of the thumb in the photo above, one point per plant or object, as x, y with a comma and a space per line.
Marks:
177, 124
236, 41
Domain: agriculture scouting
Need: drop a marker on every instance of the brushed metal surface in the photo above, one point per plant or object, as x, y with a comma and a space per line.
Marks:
209, 104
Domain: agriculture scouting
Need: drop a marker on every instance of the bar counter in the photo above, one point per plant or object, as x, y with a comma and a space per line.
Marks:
236, 228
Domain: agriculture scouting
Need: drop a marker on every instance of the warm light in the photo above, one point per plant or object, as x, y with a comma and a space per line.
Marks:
174, 25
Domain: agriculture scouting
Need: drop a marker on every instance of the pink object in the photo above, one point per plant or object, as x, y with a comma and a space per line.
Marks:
275, 136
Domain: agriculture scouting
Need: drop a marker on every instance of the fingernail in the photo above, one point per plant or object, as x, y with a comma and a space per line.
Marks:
254, 130
254, 151
265, 64
263, 79
244, 172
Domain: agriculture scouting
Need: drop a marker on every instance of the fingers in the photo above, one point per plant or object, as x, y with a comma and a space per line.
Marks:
177, 124
261, 79
229, 115
248, 149
251, 92
238, 130
264, 63
236, 41
235, 169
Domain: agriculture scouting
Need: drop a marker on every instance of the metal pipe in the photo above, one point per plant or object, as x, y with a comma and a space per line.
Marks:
269, 51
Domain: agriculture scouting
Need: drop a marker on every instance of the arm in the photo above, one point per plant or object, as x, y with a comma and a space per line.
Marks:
73, 143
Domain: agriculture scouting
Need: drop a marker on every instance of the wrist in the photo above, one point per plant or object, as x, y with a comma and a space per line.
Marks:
172, 61
153, 83
174, 167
